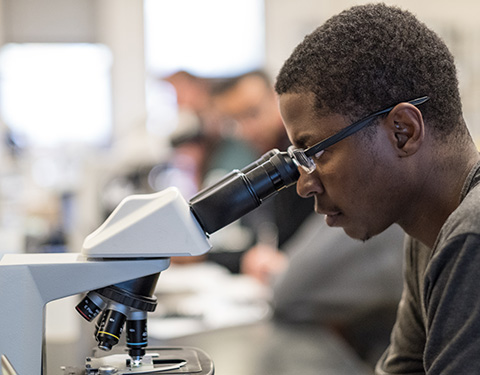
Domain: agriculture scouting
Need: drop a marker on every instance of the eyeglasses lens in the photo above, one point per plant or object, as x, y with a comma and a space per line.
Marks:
302, 160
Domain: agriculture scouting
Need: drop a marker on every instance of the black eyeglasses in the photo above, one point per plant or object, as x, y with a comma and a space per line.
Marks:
303, 158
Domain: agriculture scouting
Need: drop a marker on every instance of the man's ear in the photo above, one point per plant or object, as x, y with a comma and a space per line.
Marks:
406, 129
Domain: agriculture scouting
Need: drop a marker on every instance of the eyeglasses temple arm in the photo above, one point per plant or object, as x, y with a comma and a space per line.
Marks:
351, 129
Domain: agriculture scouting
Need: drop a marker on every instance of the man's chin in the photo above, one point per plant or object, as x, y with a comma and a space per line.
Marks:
357, 234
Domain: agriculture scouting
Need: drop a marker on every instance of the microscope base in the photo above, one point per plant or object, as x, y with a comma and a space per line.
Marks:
157, 361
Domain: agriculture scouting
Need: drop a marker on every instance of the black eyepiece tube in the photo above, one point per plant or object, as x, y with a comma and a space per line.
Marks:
265, 157
241, 191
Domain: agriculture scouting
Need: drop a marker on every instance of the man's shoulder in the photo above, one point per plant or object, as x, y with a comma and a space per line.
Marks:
466, 218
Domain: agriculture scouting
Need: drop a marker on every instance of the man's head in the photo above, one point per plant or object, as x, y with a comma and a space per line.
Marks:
371, 57
251, 101
361, 61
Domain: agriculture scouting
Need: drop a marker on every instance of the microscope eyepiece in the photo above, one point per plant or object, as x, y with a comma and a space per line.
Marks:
241, 191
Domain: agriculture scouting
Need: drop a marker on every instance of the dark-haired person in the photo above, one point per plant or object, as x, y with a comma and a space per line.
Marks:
408, 158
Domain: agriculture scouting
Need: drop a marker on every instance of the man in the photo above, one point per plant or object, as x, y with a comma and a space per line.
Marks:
414, 164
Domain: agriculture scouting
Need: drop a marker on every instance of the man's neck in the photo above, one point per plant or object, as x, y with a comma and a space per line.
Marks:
437, 199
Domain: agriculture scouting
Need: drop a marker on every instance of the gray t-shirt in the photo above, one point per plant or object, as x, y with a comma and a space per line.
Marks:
438, 323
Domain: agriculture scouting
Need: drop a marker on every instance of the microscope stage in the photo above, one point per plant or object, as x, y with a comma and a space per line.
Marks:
163, 360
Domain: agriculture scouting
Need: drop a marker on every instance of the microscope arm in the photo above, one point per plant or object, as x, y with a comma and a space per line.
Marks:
29, 281
134, 243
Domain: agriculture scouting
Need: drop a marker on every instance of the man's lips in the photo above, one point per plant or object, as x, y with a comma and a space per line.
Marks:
332, 220
333, 212
331, 217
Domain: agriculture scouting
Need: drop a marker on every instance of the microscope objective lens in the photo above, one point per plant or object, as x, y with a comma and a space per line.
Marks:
110, 329
136, 340
88, 308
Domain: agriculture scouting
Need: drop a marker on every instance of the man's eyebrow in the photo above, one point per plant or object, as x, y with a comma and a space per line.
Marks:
302, 141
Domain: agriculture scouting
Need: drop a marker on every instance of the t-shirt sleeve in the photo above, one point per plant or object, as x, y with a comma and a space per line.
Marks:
452, 308
438, 332
404, 354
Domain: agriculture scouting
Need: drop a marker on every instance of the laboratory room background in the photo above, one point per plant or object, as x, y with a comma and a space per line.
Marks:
115, 116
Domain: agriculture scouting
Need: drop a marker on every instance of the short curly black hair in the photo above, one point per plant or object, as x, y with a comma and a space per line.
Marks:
370, 57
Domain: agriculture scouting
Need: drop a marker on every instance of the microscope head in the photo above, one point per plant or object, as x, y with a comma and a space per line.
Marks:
164, 224
158, 225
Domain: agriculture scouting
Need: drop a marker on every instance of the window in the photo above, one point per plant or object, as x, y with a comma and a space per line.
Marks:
53, 94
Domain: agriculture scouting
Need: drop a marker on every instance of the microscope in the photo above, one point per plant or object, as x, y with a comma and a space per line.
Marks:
118, 269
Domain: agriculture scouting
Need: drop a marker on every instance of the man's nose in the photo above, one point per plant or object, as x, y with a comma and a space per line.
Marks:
309, 185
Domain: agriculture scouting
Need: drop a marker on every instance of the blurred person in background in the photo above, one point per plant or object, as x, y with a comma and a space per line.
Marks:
249, 104
218, 131
204, 149
201, 139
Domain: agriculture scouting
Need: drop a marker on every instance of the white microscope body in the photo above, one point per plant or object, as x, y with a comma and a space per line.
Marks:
135, 241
